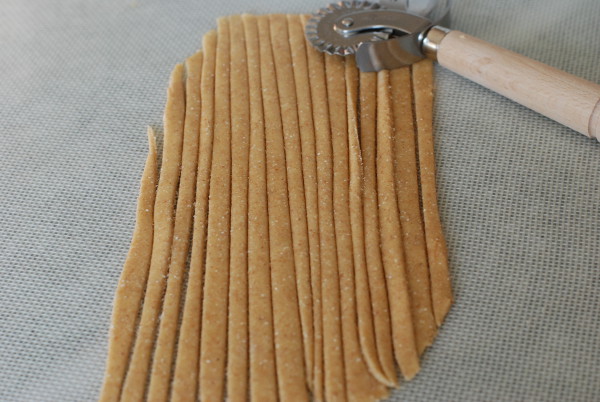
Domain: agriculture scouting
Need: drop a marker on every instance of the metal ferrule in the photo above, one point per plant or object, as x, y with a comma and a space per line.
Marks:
432, 40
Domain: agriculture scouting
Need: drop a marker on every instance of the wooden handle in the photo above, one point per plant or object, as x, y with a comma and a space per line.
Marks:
569, 100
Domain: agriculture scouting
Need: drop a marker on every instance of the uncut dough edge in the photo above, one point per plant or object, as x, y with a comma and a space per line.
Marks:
132, 282
166, 193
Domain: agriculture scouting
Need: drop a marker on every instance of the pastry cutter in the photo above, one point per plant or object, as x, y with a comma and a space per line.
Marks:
396, 33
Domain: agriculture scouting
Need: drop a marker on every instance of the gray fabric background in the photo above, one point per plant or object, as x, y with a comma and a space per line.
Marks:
519, 196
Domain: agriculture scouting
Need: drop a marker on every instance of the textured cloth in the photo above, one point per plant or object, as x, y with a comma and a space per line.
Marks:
519, 196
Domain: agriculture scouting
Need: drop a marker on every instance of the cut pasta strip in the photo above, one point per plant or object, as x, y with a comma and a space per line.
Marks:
360, 384
185, 377
132, 282
391, 236
441, 292
213, 339
160, 377
309, 168
376, 274
333, 359
364, 311
286, 318
263, 381
407, 191
166, 194
237, 344
295, 182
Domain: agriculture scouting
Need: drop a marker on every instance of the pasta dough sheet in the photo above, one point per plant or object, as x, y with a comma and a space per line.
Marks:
290, 247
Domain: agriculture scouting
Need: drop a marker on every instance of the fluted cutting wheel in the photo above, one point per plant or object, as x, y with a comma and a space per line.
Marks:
321, 34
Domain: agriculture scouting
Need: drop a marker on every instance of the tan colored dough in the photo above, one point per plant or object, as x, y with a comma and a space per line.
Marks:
333, 359
132, 281
360, 384
185, 377
366, 332
288, 333
136, 379
237, 334
162, 362
293, 160
391, 236
213, 339
441, 292
309, 167
263, 381
376, 274
407, 191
